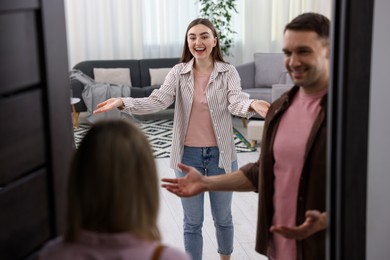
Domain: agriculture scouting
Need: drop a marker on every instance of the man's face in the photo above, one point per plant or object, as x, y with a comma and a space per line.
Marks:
306, 58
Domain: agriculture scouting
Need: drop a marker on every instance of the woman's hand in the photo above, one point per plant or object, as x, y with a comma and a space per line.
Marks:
108, 105
261, 107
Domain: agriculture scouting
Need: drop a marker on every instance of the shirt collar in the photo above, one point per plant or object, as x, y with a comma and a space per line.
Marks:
218, 67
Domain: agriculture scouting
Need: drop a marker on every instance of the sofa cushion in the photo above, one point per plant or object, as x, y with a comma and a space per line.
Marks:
269, 68
119, 76
157, 76
146, 64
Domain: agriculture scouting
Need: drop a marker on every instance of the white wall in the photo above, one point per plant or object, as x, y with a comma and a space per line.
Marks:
378, 201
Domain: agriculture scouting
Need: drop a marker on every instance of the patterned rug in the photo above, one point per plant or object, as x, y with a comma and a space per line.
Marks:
159, 133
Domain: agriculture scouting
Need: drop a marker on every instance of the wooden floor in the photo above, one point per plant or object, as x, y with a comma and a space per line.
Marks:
244, 210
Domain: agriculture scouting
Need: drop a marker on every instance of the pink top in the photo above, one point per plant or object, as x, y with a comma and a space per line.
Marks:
200, 132
289, 151
99, 246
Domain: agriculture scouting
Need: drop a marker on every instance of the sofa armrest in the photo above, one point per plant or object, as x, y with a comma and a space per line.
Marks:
285, 78
247, 75
77, 89
279, 89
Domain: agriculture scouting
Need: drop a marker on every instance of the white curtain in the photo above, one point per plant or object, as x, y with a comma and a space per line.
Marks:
136, 29
126, 29
260, 23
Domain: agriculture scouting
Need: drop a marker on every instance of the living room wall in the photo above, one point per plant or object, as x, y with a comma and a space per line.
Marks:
138, 29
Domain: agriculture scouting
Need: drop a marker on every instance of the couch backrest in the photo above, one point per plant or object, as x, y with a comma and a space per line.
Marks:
139, 69
269, 69
146, 64
87, 68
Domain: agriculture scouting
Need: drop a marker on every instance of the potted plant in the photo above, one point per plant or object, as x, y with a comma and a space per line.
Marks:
219, 12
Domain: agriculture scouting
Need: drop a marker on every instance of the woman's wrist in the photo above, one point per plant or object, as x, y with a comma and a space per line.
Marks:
122, 104
251, 108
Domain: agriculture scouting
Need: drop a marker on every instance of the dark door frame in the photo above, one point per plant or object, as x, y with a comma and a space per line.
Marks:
348, 128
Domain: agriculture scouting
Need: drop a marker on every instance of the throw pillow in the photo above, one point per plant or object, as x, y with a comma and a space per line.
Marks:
157, 76
119, 76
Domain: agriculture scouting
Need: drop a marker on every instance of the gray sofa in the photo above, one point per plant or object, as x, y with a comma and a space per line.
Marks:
139, 75
266, 77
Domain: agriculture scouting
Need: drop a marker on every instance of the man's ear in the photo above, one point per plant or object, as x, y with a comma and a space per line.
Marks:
327, 54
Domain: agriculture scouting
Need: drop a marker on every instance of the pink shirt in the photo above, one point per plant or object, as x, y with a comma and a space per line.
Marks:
289, 151
98, 246
200, 132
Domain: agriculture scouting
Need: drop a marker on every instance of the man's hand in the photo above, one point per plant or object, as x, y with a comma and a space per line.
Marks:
314, 222
191, 184
261, 107
109, 104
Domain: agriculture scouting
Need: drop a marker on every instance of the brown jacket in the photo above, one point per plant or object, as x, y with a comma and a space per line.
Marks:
312, 186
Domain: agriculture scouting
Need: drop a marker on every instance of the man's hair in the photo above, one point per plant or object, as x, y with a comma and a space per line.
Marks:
314, 22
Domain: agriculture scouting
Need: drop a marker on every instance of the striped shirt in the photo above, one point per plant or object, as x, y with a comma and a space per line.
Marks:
224, 97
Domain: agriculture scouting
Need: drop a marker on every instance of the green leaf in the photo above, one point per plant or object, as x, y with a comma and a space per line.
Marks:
219, 12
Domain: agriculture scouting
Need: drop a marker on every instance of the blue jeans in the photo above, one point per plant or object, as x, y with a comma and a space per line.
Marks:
205, 160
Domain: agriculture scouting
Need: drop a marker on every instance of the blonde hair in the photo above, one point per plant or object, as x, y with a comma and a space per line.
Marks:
113, 183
